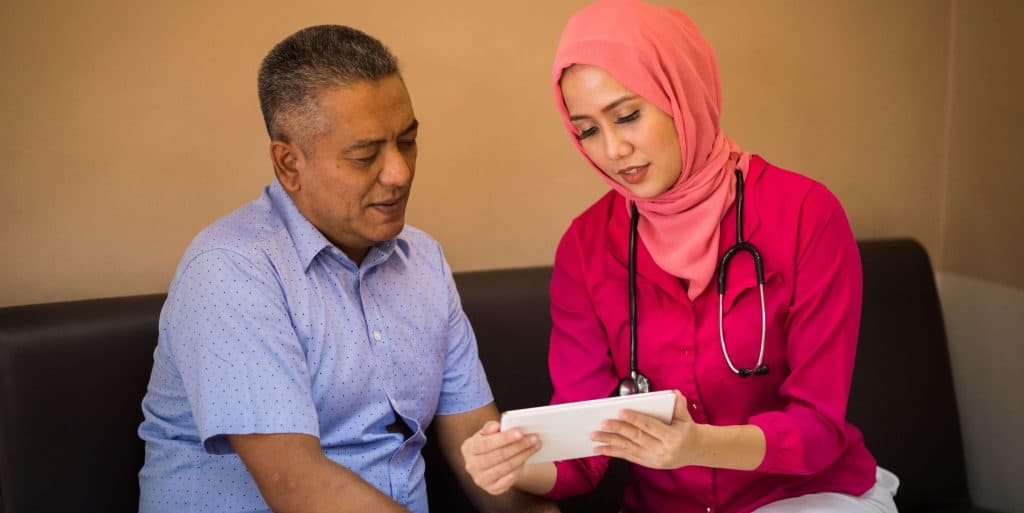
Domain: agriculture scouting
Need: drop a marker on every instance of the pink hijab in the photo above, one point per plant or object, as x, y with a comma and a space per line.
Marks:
658, 53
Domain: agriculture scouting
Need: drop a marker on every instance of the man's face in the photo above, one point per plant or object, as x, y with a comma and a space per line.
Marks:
354, 180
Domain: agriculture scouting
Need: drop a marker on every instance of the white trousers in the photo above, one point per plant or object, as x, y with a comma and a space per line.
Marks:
877, 500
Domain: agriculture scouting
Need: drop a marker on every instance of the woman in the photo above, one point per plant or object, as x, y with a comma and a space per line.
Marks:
759, 422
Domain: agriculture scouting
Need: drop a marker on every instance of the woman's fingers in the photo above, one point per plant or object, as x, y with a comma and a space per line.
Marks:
618, 446
648, 425
631, 431
681, 411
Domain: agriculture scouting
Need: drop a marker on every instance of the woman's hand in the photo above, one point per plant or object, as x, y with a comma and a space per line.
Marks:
647, 441
496, 459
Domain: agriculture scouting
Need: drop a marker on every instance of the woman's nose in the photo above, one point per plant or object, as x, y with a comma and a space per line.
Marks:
616, 146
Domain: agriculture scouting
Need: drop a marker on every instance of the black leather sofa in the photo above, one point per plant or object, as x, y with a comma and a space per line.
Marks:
72, 376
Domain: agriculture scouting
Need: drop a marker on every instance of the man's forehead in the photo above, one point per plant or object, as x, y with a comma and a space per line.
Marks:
383, 104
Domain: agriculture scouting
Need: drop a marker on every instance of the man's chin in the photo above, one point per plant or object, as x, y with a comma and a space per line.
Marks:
389, 231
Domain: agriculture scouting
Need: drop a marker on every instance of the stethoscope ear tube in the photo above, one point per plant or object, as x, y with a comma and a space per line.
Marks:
742, 245
634, 218
636, 382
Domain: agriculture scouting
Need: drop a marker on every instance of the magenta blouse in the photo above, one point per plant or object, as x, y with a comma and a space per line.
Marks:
813, 294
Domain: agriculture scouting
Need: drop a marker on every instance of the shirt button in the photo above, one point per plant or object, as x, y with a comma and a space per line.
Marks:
693, 405
377, 336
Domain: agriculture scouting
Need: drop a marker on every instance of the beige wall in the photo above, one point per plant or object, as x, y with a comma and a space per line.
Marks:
984, 227
129, 127
982, 283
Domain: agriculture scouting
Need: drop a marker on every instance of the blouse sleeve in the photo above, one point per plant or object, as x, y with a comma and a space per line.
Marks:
578, 358
809, 432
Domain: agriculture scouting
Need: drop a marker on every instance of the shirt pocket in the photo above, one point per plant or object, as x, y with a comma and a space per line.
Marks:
417, 357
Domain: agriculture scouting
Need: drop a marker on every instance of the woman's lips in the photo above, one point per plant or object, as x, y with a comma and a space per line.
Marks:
634, 174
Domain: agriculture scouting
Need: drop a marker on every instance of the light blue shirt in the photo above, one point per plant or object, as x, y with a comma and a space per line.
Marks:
269, 328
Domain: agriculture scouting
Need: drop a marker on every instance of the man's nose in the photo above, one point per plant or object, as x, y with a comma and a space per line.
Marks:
397, 170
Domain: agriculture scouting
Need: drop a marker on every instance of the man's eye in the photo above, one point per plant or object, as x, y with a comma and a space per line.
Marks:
409, 144
365, 161
587, 132
629, 117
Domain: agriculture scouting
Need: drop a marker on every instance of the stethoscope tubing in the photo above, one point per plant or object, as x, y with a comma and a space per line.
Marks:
637, 382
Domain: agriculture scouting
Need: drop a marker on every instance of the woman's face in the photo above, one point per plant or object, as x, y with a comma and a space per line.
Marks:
629, 139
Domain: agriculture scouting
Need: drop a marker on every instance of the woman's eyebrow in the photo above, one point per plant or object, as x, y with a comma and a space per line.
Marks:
607, 108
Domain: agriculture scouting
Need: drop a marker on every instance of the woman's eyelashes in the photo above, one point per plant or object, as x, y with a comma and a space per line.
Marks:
632, 116
586, 132
583, 133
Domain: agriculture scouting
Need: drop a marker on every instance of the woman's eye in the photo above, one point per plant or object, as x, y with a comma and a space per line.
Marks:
629, 117
586, 132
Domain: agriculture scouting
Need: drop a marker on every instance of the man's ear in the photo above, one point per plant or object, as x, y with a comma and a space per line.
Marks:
288, 161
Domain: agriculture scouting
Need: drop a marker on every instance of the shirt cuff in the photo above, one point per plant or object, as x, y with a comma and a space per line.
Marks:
573, 477
779, 452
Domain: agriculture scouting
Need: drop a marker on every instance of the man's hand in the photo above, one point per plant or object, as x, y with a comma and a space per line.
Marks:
495, 459
454, 431
294, 476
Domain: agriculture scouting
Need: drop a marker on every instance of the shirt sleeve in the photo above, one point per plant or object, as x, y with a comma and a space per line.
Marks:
230, 335
578, 359
464, 386
809, 432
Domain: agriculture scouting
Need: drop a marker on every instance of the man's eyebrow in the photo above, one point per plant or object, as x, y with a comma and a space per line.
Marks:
366, 143
607, 108
411, 128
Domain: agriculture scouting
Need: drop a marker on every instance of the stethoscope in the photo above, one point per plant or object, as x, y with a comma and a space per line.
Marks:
636, 382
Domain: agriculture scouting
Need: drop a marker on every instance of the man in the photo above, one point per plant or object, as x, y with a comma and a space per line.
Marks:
310, 337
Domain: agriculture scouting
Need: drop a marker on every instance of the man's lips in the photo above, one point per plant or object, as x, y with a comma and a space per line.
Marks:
389, 207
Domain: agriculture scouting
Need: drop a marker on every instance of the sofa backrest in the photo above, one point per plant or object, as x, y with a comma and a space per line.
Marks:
72, 376
902, 397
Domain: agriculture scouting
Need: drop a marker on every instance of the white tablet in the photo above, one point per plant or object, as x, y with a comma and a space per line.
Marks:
565, 429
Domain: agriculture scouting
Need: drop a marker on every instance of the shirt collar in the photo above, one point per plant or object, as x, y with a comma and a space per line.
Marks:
308, 240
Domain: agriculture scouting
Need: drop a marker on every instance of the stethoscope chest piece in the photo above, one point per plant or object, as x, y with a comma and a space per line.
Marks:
635, 383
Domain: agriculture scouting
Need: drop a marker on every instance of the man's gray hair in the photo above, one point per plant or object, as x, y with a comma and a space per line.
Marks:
315, 58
